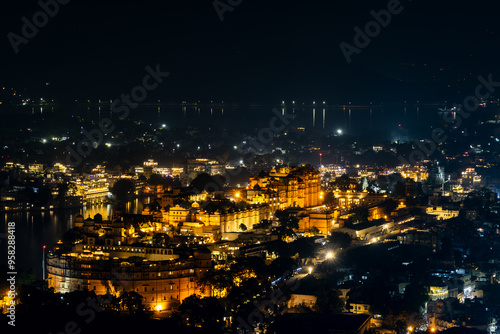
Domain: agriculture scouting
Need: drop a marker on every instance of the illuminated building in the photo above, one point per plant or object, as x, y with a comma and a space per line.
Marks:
150, 163
321, 218
438, 291
359, 308
108, 259
154, 189
294, 186
426, 238
352, 198
93, 190
35, 168
416, 173
163, 284
470, 179
302, 300
198, 219
442, 214
94, 187
177, 172
211, 167
369, 230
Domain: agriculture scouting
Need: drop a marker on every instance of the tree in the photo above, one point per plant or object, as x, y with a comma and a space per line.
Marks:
219, 281
389, 205
305, 247
209, 183
246, 292
160, 239
415, 296
314, 230
122, 189
243, 227
340, 240
132, 302
281, 266
396, 320
156, 179
73, 235
300, 309
329, 301
202, 312
343, 182
287, 224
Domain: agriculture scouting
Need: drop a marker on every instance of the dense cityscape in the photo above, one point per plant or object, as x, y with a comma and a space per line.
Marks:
149, 202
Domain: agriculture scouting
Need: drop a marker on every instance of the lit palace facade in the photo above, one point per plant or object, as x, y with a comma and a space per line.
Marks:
162, 284
295, 186
227, 221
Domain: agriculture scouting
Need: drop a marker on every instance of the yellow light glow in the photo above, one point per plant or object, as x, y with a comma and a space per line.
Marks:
158, 307
329, 255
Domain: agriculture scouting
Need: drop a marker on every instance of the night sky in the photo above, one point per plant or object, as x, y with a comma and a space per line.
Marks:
263, 51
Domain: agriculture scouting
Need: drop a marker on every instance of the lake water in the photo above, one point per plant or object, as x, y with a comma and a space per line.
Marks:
35, 229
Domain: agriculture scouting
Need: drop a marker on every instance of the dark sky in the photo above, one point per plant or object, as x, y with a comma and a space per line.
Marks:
263, 51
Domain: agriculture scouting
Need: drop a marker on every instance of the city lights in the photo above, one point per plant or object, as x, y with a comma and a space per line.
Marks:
376, 172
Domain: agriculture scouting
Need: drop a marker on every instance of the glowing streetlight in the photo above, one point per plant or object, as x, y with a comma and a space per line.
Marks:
329, 255
158, 307
310, 270
339, 131
43, 262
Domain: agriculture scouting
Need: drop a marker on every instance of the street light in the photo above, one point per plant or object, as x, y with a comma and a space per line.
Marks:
310, 270
43, 262
329, 255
